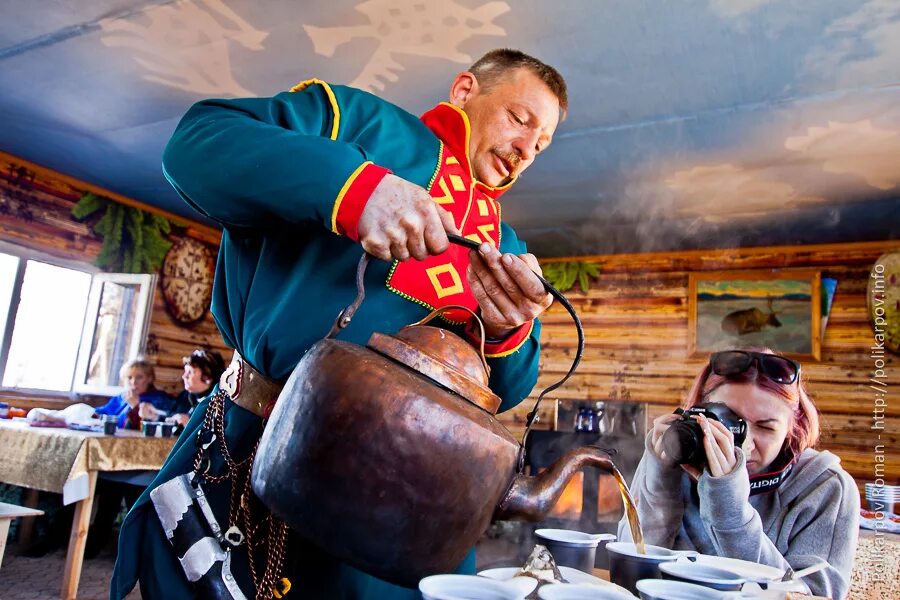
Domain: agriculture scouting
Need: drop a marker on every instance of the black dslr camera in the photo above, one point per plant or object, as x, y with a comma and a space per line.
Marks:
683, 441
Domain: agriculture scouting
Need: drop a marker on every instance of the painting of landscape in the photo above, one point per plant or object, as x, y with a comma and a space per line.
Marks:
771, 309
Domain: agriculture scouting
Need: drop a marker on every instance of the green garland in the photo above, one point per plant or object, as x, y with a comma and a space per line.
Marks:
133, 240
563, 275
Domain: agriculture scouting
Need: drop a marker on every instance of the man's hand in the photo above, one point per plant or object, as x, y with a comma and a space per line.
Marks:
401, 220
506, 288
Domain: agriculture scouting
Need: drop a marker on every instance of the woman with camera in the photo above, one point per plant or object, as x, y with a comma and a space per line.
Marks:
735, 474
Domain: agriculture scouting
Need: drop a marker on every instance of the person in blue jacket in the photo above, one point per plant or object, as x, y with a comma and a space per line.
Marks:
140, 400
298, 183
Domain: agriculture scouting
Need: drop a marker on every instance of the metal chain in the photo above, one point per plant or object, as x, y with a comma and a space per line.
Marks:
273, 532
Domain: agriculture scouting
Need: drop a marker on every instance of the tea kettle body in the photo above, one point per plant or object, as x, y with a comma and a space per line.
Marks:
380, 466
389, 456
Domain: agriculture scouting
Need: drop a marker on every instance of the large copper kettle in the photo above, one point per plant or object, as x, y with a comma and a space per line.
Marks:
389, 456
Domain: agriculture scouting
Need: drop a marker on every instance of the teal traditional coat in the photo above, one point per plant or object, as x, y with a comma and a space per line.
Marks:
288, 177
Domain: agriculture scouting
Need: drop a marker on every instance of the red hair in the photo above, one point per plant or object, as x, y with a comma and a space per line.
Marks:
804, 430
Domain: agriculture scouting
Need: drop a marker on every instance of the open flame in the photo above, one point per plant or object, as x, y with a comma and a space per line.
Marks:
570, 502
609, 499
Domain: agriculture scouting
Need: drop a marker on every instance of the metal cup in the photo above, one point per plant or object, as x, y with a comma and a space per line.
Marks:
110, 424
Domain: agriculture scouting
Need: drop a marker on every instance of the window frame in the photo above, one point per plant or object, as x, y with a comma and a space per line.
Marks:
147, 292
147, 286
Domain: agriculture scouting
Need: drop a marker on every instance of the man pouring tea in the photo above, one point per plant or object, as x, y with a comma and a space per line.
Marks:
301, 183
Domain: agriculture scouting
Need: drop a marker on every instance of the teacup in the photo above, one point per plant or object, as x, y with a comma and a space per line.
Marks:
468, 587
705, 575
627, 566
571, 548
569, 591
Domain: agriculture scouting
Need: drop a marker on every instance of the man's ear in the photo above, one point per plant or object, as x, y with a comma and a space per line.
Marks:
463, 88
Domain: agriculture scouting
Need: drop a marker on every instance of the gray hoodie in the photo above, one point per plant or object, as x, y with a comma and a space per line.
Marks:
812, 515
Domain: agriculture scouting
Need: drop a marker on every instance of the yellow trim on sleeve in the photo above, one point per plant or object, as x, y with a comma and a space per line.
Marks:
516, 349
340, 197
335, 109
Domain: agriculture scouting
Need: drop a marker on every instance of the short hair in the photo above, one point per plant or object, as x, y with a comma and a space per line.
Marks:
140, 363
496, 65
804, 430
210, 363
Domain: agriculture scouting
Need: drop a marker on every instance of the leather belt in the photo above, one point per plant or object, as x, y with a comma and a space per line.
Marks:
248, 388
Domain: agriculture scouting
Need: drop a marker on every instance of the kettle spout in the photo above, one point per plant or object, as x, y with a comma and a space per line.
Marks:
531, 498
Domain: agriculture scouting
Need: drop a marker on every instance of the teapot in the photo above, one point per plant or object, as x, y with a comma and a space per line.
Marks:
390, 457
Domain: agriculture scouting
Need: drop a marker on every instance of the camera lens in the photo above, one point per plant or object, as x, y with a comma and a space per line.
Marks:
683, 443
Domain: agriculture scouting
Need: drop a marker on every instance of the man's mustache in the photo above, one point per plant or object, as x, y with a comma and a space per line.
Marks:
511, 158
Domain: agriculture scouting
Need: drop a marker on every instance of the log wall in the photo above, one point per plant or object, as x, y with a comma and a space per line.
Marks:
636, 318
36, 213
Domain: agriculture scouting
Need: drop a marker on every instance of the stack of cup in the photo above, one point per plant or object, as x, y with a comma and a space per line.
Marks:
882, 498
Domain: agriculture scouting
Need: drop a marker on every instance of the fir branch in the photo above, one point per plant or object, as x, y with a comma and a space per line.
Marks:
564, 275
134, 241
88, 205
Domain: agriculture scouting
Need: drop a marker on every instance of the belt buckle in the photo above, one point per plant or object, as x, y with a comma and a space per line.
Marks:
232, 378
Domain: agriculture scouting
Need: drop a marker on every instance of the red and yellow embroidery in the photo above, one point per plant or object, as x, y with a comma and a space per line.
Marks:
441, 280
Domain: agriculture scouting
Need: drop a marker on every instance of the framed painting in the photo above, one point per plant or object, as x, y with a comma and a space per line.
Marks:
778, 309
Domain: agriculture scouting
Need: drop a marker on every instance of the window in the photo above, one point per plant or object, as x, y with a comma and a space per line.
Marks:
114, 330
65, 328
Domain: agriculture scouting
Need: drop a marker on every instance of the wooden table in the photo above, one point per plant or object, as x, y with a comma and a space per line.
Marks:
66, 461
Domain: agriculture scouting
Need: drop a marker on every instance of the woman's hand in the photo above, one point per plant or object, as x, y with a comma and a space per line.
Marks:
130, 397
660, 426
719, 445
179, 419
148, 412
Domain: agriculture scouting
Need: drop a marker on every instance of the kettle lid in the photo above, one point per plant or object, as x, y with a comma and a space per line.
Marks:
443, 357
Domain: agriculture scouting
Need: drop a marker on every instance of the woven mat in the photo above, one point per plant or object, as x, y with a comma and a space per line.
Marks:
875, 572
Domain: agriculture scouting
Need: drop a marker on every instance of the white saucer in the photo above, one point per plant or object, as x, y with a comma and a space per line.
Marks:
571, 575
754, 572
743, 568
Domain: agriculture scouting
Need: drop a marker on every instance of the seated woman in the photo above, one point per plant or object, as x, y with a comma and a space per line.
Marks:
774, 500
140, 400
202, 370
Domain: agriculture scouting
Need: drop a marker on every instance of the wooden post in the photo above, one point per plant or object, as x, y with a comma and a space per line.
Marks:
78, 540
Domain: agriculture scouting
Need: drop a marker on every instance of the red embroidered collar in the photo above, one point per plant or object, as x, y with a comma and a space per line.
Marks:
451, 125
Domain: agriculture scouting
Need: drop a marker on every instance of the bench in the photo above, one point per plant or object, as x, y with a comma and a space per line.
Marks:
8, 512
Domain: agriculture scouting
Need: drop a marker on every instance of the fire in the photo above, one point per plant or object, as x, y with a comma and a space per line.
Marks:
609, 500
570, 502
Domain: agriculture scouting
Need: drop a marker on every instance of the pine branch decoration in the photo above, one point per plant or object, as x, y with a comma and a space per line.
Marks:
563, 275
134, 241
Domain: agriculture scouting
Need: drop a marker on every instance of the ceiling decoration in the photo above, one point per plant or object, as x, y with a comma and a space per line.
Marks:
711, 123
418, 28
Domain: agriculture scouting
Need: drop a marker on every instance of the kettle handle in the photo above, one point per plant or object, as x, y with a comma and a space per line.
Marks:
436, 312
345, 316
532, 416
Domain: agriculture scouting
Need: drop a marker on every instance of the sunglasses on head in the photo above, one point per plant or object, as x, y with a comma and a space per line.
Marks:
734, 362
